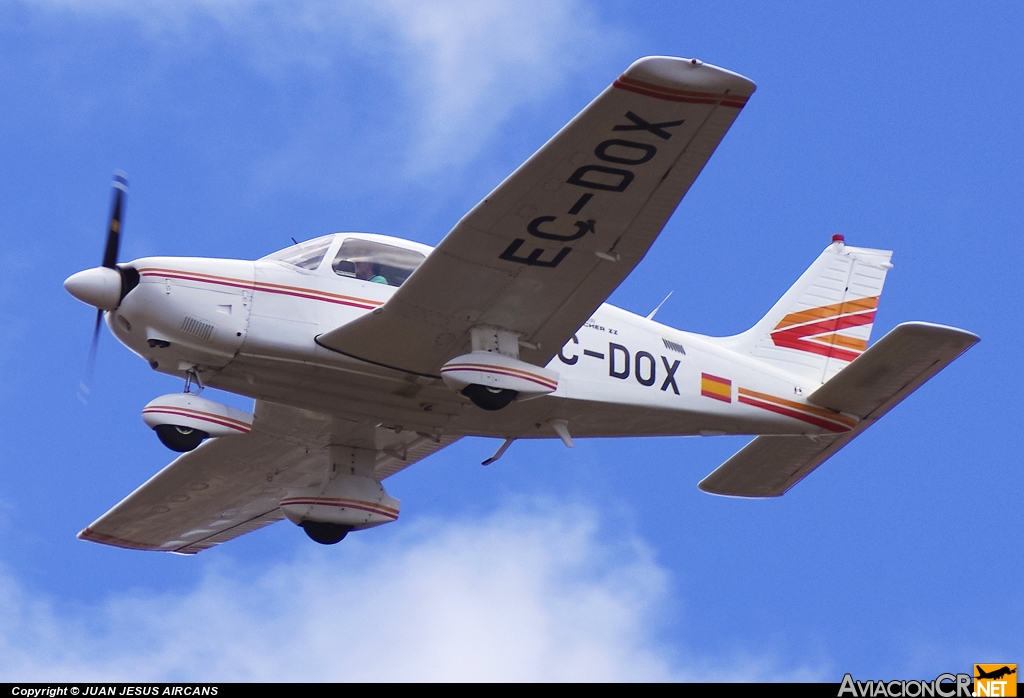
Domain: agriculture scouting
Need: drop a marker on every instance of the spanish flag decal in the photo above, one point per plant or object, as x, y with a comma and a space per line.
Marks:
715, 387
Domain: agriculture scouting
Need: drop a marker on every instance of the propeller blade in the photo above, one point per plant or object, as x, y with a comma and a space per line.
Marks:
110, 253
86, 382
116, 220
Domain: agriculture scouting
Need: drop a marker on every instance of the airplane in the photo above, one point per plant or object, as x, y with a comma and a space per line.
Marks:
365, 354
994, 674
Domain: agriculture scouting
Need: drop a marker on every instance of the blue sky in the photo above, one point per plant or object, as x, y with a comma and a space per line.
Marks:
243, 123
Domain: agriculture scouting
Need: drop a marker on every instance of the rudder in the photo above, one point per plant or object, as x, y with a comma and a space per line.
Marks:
824, 321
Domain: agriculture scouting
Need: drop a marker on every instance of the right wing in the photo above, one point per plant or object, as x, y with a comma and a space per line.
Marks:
543, 250
232, 485
875, 382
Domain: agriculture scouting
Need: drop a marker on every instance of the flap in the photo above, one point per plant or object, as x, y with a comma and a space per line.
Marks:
543, 250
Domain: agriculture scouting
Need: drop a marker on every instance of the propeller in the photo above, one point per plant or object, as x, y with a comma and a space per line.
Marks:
92, 281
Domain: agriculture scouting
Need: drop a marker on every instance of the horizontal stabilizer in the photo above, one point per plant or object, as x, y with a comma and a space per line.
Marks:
770, 465
895, 366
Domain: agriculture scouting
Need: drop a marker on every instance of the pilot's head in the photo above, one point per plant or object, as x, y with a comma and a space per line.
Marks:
366, 270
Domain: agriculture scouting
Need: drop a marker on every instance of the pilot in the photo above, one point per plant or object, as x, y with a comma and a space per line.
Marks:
369, 271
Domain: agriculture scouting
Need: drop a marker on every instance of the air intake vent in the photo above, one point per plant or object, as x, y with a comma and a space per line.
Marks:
198, 328
674, 346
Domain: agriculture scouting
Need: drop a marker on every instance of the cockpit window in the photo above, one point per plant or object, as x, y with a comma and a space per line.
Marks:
376, 262
305, 255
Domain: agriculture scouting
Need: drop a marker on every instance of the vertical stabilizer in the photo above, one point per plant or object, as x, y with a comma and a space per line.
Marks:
824, 320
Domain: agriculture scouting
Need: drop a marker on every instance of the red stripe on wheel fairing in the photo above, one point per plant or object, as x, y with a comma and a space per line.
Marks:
504, 371
342, 504
202, 416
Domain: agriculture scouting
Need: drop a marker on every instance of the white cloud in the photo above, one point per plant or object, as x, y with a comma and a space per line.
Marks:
463, 66
537, 595
474, 63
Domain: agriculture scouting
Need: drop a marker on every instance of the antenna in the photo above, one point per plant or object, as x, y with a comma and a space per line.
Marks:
651, 316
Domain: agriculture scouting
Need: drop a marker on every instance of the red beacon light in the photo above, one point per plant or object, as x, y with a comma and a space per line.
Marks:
838, 238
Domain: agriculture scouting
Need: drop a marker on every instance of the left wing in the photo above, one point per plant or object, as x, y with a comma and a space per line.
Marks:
232, 485
551, 242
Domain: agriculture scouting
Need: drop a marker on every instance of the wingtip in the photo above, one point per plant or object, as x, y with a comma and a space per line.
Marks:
670, 71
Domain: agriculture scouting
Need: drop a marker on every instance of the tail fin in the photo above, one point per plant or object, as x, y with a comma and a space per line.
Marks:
824, 320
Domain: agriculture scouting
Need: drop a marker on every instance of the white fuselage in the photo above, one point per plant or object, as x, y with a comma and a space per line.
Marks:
250, 328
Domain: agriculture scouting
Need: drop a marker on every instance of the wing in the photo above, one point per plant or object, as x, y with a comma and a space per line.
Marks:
232, 485
551, 242
897, 365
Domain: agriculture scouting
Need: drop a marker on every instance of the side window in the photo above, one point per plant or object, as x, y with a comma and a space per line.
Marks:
376, 262
305, 255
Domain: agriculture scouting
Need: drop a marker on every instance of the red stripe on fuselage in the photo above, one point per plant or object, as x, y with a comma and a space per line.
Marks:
785, 411
265, 287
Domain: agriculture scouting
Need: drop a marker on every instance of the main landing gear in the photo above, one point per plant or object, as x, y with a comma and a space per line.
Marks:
180, 439
325, 533
491, 399
182, 421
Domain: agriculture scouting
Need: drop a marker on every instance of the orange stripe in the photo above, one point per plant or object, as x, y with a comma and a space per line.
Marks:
793, 414
675, 95
344, 503
202, 416
514, 372
842, 341
310, 293
827, 311
264, 286
97, 537
188, 411
809, 409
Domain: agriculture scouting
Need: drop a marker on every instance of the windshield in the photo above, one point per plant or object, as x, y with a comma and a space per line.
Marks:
376, 262
305, 255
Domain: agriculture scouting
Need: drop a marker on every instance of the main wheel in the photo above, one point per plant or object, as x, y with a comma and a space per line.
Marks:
180, 439
489, 398
325, 533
